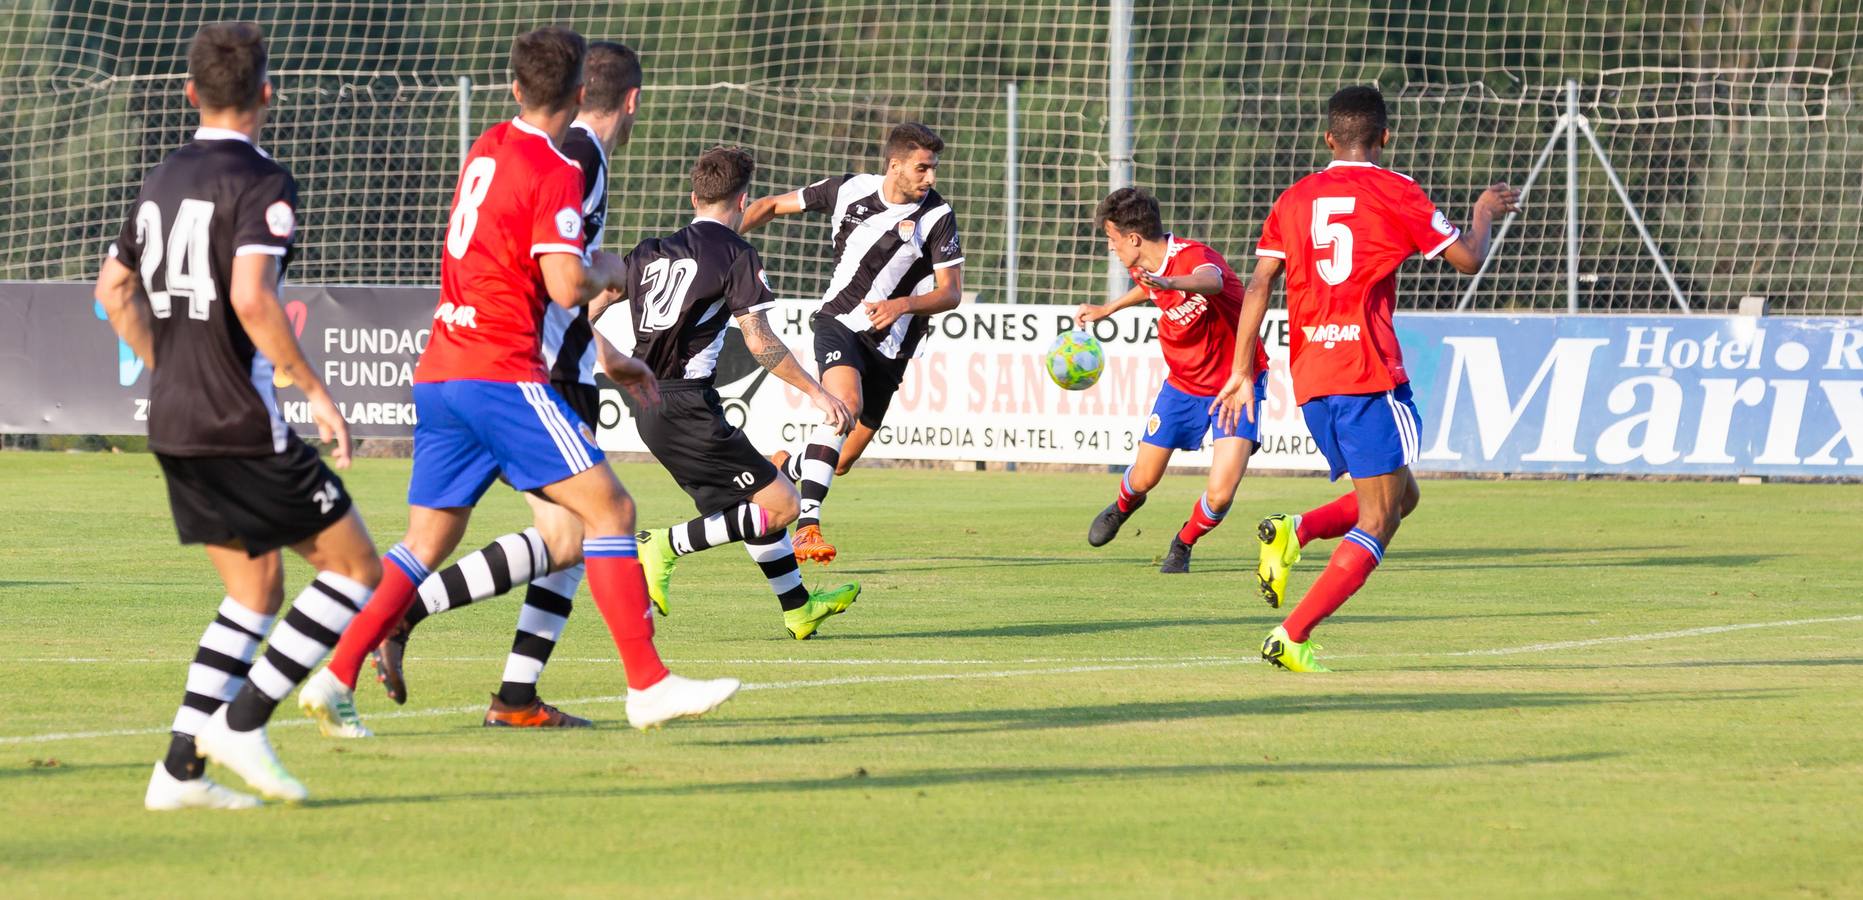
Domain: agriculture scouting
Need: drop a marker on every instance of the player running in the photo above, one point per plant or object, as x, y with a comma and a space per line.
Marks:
548, 555
1340, 234
513, 242
897, 262
683, 290
192, 284
1200, 297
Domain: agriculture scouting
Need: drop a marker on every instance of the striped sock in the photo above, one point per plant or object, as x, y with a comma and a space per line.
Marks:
740, 522
792, 467
817, 472
1129, 499
540, 625
219, 668
317, 617
1353, 561
620, 590
1202, 519
776, 556
489, 571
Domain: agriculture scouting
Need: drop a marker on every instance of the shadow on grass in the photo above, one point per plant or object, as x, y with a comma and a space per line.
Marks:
862, 779
54, 766
1250, 624
1843, 661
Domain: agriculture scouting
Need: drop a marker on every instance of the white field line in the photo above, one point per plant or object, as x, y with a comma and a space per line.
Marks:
610, 660
1182, 663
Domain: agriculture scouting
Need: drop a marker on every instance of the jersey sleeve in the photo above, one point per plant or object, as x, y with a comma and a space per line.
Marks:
748, 289
557, 226
1202, 256
1423, 223
127, 248
1271, 243
946, 249
266, 217
819, 197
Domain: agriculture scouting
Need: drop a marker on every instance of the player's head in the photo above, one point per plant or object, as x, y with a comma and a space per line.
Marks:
546, 69
721, 183
1130, 217
912, 160
226, 69
611, 79
1357, 120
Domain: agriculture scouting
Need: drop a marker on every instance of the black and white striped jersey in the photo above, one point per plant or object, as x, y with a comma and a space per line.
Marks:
683, 290
213, 200
568, 345
882, 251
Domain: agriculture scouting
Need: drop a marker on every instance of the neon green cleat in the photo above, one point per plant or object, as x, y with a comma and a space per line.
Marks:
1280, 549
1289, 654
803, 620
657, 562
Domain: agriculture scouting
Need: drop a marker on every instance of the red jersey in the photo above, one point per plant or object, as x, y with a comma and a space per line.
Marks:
518, 198
1343, 232
1198, 333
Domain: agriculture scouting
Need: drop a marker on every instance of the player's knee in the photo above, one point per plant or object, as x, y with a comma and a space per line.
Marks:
564, 546
1411, 499
779, 512
1219, 499
1142, 482
618, 518
364, 569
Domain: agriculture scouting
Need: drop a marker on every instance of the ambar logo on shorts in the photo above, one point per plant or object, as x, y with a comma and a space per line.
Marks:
1328, 335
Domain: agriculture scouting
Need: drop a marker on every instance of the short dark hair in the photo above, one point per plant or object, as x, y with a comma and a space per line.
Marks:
1357, 116
910, 136
722, 173
548, 66
227, 64
611, 70
1131, 210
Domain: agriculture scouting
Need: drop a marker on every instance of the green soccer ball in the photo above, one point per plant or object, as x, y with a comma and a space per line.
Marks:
1075, 360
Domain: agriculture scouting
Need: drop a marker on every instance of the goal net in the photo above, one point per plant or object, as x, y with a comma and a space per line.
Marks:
1735, 127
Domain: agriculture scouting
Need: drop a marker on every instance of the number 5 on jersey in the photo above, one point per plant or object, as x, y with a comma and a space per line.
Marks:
1327, 233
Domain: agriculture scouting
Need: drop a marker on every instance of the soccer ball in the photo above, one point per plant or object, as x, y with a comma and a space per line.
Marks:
1075, 360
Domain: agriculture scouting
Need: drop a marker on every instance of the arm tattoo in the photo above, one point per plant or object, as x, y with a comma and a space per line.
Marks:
757, 331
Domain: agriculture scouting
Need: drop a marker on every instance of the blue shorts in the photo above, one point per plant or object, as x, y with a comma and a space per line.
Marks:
1179, 420
1365, 435
470, 432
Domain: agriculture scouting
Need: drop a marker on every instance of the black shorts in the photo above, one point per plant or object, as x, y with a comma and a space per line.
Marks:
838, 345
711, 459
584, 399
261, 502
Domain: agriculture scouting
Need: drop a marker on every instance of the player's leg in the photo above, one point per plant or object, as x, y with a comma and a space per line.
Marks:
1146, 470
541, 620
803, 610
841, 359
1228, 463
855, 446
254, 592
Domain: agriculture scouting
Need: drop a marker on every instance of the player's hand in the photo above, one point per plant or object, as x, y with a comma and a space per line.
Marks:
331, 427
601, 303
606, 271
1235, 400
884, 313
1156, 282
634, 377
1089, 312
834, 412
1499, 199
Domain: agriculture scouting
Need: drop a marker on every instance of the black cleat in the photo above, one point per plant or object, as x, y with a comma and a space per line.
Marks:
387, 658
1106, 525
1177, 559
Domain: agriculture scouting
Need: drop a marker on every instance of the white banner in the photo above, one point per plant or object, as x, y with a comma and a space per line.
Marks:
979, 390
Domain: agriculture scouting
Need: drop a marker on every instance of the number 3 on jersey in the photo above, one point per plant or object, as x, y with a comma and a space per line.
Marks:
473, 186
1327, 233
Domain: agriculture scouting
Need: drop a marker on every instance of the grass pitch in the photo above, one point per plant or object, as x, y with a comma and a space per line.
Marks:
1549, 689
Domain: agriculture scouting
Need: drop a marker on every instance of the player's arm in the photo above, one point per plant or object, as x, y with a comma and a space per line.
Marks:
1205, 279
120, 292
631, 374
1093, 312
1470, 251
255, 301
771, 353
571, 282
763, 209
1237, 398
946, 293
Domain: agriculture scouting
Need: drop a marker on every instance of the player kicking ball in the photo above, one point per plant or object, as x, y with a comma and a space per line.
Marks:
1200, 297
192, 285
514, 241
682, 290
1339, 235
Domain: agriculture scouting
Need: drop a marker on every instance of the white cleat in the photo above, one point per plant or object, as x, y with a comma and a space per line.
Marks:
249, 754
166, 792
332, 705
676, 698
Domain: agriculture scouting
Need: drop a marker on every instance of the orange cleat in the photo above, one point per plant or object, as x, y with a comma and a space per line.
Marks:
811, 547
536, 714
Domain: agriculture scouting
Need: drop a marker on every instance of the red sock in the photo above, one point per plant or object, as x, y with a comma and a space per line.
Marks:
1329, 521
401, 575
1129, 499
1202, 519
620, 590
1351, 564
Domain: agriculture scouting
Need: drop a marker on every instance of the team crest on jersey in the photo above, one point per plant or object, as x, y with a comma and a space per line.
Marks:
1152, 424
1440, 222
280, 220
906, 230
582, 428
766, 281
569, 223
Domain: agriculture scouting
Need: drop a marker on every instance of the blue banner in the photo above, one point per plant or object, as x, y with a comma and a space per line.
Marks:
1604, 394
